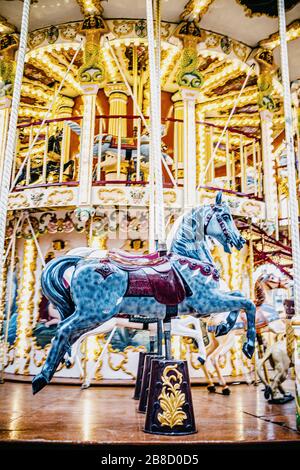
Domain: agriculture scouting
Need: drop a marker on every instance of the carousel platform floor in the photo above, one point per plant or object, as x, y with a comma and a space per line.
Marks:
65, 414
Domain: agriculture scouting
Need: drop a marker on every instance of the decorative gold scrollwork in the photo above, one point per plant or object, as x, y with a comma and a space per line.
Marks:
188, 75
171, 398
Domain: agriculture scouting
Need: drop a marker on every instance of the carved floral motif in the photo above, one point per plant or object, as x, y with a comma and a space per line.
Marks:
171, 398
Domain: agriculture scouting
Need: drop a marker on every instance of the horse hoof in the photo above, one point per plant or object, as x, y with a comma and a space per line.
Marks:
280, 400
68, 364
267, 392
248, 350
38, 383
201, 360
226, 391
211, 388
85, 385
221, 329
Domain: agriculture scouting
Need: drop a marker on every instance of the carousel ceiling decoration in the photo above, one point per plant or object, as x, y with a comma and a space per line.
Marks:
266, 7
221, 75
90, 7
195, 10
5, 26
221, 61
292, 33
37, 91
54, 65
250, 95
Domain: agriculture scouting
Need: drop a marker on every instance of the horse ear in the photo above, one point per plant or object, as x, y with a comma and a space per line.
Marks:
219, 198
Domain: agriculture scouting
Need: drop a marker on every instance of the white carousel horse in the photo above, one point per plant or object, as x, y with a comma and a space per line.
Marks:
278, 357
185, 327
267, 319
107, 150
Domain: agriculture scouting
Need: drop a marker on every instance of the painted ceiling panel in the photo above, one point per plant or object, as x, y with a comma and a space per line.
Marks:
43, 13
223, 16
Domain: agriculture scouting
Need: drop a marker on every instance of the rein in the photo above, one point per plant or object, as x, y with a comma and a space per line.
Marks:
214, 211
279, 285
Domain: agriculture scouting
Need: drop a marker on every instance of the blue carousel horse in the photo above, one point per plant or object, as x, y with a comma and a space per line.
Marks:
146, 285
106, 145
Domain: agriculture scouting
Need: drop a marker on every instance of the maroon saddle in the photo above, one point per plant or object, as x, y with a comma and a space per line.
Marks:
150, 276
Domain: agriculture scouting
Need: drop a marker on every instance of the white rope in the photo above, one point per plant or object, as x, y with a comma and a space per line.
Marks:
159, 218
10, 146
11, 136
47, 116
155, 127
225, 127
137, 107
294, 212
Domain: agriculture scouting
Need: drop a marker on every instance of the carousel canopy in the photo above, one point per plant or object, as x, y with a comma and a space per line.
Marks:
223, 76
245, 20
248, 21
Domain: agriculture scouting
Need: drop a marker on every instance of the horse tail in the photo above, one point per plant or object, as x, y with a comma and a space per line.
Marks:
53, 286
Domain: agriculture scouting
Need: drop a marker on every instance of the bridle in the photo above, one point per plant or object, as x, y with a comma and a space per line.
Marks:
223, 226
279, 284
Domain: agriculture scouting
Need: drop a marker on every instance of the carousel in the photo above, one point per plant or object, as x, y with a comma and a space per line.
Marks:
149, 221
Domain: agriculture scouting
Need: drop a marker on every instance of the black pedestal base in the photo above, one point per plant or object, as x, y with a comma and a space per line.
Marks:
145, 382
282, 400
169, 408
139, 375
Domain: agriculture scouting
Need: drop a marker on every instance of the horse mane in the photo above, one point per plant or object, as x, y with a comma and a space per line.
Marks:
259, 291
188, 229
173, 231
87, 252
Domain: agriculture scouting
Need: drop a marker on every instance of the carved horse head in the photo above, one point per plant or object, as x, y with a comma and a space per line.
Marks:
220, 225
268, 282
266, 314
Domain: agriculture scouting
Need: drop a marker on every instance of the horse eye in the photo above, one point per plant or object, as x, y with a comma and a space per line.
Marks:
226, 217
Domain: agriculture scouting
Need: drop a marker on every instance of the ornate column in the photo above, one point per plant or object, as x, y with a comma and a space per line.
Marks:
295, 97
8, 46
5, 105
16, 78
296, 351
293, 199
178, 137
269, 181
204, 149
266, 107
86, 144
190, 80
189, 139
118, 97
91, 75
25, 304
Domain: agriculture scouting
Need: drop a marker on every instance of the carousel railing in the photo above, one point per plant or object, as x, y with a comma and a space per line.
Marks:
121, 152
51, 160
237, 167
